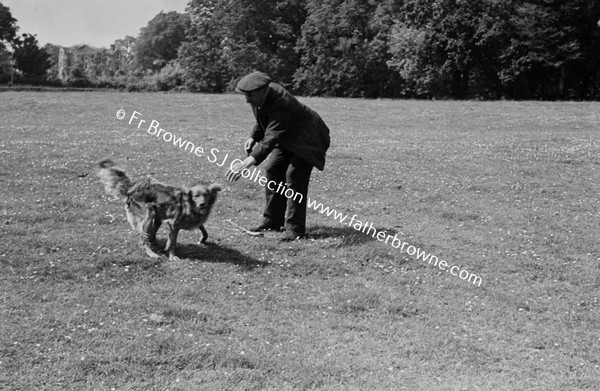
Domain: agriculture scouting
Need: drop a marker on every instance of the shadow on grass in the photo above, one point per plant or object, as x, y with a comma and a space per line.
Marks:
212, 252
348, 235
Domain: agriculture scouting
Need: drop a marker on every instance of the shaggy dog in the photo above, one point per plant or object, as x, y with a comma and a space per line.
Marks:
149, 203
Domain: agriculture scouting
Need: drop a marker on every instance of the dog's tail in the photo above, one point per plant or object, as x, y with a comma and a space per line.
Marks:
114, 179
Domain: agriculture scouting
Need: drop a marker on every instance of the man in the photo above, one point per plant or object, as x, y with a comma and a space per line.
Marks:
297, 139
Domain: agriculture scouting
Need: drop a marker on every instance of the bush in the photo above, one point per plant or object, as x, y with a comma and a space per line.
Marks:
170, 77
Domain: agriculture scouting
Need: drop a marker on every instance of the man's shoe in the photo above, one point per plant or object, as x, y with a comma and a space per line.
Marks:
290, 236
265, 227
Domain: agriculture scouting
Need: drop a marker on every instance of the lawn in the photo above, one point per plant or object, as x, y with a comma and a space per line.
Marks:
509, 191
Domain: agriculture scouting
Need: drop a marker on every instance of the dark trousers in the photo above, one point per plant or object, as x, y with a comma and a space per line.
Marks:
286, 168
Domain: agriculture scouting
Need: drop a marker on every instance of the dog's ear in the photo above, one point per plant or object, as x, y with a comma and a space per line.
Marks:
214, 188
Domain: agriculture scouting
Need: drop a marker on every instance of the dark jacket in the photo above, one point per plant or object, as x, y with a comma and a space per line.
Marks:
285, 122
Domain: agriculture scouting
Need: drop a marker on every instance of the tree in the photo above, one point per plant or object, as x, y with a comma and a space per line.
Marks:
226, 39
158, 42
8, 32
584, 74
262, 36
29, 57
201, 54
5, 68
344, 48
410, 48
554, 51
8, 25
451, 47
380, 80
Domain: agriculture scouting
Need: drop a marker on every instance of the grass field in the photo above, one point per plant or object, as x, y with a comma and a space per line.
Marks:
509, 191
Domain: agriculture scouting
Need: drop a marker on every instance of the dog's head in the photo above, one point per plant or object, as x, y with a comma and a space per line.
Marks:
204, 196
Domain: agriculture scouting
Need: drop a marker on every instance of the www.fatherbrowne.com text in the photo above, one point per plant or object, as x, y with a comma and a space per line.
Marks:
214, 156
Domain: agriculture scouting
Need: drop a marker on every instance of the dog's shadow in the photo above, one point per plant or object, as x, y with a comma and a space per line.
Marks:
213, 252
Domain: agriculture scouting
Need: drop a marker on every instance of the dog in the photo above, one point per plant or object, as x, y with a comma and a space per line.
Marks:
149, 203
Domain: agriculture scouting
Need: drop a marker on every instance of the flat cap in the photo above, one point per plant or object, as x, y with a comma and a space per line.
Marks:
252, 82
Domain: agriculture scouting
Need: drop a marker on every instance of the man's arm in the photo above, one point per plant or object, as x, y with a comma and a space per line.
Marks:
276, 129
257, 133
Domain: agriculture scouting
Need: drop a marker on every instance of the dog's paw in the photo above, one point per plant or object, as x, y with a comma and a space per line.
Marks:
151, 253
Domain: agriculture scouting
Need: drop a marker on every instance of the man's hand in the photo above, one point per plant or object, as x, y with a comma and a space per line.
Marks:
235, 171
248, 144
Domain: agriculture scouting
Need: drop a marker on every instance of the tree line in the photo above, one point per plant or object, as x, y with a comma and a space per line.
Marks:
26, 54
434, 49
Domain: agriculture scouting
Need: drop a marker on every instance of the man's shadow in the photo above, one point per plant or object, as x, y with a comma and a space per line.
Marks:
348, 235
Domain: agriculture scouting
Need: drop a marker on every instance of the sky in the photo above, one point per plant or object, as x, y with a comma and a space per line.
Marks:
97, 23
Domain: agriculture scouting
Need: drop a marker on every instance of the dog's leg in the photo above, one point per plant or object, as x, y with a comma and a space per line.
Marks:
204, 234
149, 250
147, 245
151, 228
131, 218
171, 242
147, 229
138, 224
